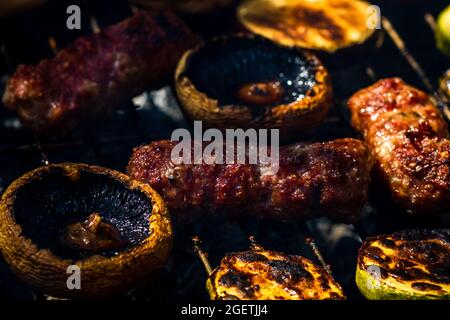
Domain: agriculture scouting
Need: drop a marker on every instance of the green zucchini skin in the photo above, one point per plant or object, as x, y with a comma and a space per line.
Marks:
442, 36
373, 289
411, 265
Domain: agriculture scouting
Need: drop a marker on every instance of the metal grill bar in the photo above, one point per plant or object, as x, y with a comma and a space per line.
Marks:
412, 61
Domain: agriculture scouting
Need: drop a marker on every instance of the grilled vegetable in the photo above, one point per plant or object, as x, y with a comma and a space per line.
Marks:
443, 31
243, 81
408, 137
185, 6
103, 71
411, 264
325, 25
116, 230
260, 274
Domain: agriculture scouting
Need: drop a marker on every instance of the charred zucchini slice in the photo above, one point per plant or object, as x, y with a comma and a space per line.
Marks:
443, 31
325, 25
117, 231
267, 275
411, 264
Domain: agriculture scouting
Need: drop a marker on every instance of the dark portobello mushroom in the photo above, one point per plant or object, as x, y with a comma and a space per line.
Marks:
115, 229
331, 26
410, 264
245, 81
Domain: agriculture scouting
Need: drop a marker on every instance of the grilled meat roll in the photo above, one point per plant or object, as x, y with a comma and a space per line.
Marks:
323, 179
97, 73
411, 264
408, 138
267, 275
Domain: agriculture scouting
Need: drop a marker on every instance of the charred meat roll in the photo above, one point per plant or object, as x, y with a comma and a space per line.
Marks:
322, 179
97, 73
408, 138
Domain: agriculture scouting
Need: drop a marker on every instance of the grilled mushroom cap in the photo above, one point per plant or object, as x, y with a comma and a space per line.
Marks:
116, 230
185, 6
411, 264
325, 25
244, 81
268, 275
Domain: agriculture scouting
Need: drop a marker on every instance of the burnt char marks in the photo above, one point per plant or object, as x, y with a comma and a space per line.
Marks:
377, 255
325, 284
422, 286
422, 234
318, 19
288, 272
251, 256
261, 274
410, 274
401, 264
423, 252
388, 243
414, 256
237, 279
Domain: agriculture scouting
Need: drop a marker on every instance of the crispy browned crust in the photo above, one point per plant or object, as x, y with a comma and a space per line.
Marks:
269, 275
314, 180
412, 263
408, 138
293, 118
97, 73
101, 276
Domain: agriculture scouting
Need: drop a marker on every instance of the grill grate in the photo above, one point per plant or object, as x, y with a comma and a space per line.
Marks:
154, 117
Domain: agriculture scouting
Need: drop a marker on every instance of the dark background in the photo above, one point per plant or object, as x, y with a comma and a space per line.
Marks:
24, 39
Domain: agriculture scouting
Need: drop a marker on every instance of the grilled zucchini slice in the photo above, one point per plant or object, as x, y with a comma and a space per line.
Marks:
444, 85
411, 264
324, 25
267, 275
443, 31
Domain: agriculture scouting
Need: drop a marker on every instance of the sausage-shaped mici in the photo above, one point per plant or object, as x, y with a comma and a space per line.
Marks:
99, 72
321, 179
408, 138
